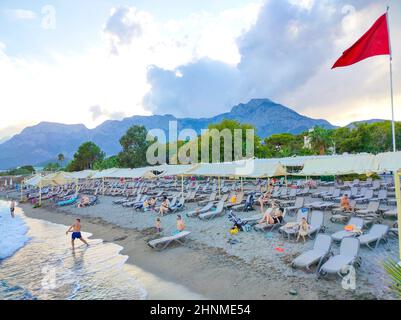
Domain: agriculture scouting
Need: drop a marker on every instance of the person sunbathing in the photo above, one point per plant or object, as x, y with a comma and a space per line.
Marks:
149, 204
265, 198
345, 204
273, 215
164, 207
303, 229
84, 202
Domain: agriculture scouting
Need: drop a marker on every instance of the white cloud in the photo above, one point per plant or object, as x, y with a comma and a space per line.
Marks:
287, 56
20, 14
67, 86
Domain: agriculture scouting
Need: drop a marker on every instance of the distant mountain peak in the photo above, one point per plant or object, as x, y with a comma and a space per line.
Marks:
44, 141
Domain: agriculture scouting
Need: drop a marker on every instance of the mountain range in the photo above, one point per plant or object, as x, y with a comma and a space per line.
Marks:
44, 141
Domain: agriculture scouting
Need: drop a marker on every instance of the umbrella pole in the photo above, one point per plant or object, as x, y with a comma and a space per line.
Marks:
22, 187
76, 187
182, 186
398, 197
40, 195
242, 185
218, 183
103, 186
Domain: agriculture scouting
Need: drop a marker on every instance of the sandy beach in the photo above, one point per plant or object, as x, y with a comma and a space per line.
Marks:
214, 269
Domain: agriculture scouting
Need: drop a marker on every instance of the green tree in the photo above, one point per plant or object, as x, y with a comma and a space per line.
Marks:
51, 167
321, 139
88, 153
24, 170
134, 147
231, 126
60, 159
283, 145
108, 163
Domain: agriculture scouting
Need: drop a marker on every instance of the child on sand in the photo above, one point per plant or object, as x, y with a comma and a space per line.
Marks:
180, 224
158, 225
303, 229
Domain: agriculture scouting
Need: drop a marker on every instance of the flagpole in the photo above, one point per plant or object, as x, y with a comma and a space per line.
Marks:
391, 82
395, 173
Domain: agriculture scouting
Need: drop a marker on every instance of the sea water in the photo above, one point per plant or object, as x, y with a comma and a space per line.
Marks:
36, 262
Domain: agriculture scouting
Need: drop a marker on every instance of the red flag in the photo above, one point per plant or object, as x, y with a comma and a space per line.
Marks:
375, 42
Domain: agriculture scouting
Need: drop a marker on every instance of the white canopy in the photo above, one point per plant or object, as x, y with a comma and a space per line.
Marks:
107, 173
340, 165
260, 168
389, 161
173, 170
85, 174
252, 168
124, 173
53, 179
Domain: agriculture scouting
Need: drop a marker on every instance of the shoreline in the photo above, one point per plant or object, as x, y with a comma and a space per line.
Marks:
206, 266
109, 233
221, 280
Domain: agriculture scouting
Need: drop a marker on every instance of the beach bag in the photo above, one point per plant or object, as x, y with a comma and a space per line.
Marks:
233, 199
234, 231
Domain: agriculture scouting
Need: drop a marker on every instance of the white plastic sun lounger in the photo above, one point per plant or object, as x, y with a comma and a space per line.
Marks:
377, 233
163, 243
316, 223
216, 213
340, 235
321, 249
253, 219
349, 251
390, 213
204, 209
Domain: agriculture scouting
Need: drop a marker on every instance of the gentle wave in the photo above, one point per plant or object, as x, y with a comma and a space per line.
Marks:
13, 232
41, 264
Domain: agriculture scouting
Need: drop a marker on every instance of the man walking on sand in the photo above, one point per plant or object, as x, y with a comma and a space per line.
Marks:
76, 233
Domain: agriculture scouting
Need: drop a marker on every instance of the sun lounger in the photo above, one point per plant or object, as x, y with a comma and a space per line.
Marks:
381, 197
239, 200
67, 202
253, 219
293, 231
204, 209
218, 211
323, 205
349, 256
212, 198
390, 213
340, 235
266, 226
320, 251
163, 243
180, 205
377, 233
299, 203
316, 223
370, 214
368, 196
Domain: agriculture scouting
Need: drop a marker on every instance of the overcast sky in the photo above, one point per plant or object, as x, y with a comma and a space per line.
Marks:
93, 60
